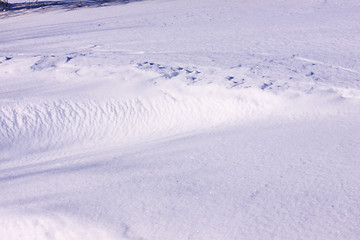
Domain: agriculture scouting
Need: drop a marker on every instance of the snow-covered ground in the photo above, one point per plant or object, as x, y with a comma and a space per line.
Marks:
180, 119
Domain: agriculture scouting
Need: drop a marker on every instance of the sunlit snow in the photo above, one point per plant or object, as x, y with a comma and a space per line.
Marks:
180, 119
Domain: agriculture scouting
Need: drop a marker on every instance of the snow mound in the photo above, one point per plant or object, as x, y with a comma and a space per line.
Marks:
59, 122
71, 100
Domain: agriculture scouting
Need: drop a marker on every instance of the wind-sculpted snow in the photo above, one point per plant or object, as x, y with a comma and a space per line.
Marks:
180, 119
52, 123
68, 101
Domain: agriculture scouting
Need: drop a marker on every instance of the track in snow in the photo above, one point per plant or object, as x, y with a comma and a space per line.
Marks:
180, 120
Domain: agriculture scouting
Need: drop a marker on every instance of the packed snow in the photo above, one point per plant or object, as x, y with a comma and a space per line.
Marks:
180, 119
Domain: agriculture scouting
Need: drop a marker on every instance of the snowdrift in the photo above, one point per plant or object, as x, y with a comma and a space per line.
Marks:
120, 105
180, 120
133, 105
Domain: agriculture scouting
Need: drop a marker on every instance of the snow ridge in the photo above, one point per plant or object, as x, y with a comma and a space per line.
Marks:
76, 102
66, 122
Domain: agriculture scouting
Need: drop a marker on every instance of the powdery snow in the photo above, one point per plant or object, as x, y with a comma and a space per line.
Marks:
180, 120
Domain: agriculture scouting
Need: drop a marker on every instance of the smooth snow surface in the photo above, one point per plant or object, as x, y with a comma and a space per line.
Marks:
180, 119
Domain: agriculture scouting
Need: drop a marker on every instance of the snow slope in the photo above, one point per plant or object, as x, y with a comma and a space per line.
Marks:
180, 120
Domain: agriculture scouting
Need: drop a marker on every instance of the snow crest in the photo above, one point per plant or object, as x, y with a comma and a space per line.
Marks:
60, 122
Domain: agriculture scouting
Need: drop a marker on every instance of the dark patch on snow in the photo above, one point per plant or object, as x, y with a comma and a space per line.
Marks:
237, 66
310, 74
68, 59
266, 85
55, 5
192, 79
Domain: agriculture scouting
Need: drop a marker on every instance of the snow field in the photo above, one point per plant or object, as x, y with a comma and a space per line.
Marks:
180, 120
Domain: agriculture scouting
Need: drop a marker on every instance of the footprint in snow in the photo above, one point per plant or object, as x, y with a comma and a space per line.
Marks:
44, 63
6, 59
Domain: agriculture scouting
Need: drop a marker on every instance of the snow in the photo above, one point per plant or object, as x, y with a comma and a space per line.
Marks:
180, 119
33, 227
